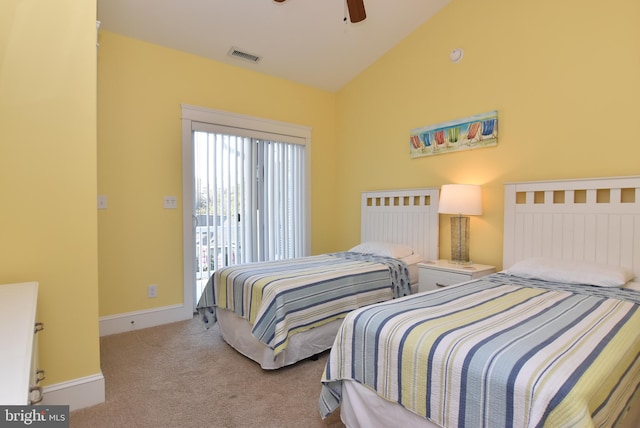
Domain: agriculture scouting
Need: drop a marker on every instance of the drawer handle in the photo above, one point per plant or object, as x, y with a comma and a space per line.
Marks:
37, 389
39, 327
441, 285
40, 376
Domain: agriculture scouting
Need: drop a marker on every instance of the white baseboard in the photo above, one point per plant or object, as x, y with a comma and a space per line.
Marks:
89, 391
77, 394
129, 321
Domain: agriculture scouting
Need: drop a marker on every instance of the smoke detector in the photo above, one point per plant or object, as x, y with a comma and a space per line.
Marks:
456, 55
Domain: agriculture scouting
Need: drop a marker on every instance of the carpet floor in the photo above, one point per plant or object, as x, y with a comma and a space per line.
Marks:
183, 375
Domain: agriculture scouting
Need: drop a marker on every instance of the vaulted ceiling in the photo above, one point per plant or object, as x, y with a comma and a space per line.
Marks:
311, 42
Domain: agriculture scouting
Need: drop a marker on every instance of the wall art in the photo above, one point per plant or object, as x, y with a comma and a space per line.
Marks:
473, 132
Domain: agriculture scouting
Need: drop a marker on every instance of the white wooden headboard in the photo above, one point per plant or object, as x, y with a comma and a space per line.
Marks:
408, 217
592, 220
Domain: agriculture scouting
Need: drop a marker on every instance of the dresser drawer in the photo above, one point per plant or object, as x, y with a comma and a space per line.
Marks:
17, 321
433, 275
432, 279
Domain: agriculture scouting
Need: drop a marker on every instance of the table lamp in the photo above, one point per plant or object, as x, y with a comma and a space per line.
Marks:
462, 200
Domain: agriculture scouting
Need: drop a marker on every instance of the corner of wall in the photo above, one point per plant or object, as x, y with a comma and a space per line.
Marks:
77, 394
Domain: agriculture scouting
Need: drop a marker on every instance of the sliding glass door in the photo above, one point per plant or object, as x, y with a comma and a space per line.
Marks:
246, 193
249, 199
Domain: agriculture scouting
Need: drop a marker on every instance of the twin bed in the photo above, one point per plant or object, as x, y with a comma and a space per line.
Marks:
553, 340
281, 312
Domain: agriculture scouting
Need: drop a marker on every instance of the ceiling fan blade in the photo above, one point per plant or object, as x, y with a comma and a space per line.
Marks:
356, 10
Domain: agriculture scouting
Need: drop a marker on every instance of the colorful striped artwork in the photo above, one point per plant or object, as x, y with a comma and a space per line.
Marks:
480, 130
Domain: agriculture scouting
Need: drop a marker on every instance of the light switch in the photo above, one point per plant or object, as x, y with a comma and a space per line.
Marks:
170, 202
102, 202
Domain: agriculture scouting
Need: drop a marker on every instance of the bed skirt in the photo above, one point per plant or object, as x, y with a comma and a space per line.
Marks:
236, 331
363, 408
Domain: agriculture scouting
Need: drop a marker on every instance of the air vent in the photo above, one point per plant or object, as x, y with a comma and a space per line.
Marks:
235, 52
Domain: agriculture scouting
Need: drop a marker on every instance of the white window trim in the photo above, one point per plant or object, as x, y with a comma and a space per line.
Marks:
292, 133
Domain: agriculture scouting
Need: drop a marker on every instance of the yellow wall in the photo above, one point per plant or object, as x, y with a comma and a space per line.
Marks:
140, 89
48, 222
562, 75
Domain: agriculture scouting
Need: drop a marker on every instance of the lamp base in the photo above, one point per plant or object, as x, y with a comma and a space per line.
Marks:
460, 240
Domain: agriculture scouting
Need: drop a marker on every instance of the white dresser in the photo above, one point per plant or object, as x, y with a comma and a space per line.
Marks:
19, 374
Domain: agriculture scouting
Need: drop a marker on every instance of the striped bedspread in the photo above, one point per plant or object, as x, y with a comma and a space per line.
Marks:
497, 352
281, 298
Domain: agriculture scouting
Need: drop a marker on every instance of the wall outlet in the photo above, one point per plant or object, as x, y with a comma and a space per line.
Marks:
152, 291
102, 202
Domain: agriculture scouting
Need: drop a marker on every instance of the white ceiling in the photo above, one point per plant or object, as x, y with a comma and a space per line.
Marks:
305, 41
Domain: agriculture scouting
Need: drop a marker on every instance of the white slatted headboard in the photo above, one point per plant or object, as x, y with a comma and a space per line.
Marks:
408, 217
591, 220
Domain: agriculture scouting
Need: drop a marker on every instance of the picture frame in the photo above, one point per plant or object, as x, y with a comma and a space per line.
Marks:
473, 132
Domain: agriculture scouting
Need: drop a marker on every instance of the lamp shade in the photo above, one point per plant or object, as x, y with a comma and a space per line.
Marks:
462, 199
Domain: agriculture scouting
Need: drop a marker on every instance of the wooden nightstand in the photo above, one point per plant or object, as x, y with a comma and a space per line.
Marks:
440, 273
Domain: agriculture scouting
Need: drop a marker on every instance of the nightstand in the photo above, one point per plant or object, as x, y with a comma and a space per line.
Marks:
440, 273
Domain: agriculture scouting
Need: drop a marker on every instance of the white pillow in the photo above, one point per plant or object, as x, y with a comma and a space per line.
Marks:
387, 249
632, 285
411, 259
571, 272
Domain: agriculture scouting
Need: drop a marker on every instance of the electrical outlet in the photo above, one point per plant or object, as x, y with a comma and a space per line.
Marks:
152, 291
102, 202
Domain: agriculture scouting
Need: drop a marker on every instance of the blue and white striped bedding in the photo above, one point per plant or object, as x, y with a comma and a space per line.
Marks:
281, 298
496, 352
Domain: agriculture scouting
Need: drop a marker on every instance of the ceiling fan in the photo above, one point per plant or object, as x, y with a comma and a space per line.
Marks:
356, 10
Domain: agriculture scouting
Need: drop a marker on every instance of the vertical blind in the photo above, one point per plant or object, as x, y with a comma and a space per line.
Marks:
249, 201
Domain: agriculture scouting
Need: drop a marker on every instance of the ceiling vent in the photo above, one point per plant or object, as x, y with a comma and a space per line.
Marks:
235, 52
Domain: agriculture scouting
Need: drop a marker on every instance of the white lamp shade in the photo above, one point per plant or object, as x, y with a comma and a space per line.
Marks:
462, 199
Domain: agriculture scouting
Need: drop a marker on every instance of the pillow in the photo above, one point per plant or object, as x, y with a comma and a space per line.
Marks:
632, 285
386, 249
411, 259
571, 272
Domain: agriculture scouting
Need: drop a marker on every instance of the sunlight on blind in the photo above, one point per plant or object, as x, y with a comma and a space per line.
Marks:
282, 200
249, 201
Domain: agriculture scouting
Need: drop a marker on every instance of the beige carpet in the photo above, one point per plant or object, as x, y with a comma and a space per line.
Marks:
182, 375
